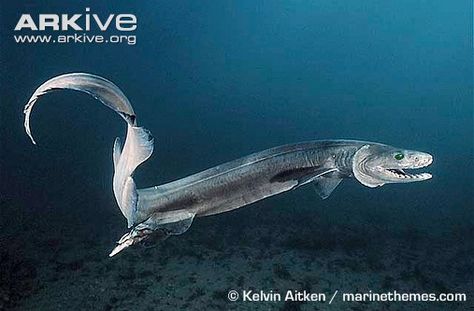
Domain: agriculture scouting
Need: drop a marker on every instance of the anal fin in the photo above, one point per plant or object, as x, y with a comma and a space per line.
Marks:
172, 222
164, 223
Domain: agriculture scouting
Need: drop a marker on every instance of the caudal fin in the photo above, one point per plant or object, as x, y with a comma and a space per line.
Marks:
100, 88
137, 149
138, 145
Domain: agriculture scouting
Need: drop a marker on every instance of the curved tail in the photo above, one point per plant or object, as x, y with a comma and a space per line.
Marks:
102, 89
138, 145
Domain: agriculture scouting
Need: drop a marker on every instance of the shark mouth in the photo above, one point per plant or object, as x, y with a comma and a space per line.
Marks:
402, 174
399, 173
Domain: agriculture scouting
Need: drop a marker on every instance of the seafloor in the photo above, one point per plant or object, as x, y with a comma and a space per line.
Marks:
57, 260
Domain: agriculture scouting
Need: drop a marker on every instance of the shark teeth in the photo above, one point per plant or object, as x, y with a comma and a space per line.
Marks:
399, 173
402, 174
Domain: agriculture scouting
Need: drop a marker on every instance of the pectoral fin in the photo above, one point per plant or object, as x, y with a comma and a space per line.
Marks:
324, 186
317, 174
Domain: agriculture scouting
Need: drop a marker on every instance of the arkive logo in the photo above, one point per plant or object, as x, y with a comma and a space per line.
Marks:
77, 22
87, 27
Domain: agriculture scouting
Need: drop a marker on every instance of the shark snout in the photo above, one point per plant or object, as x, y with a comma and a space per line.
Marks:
418, 160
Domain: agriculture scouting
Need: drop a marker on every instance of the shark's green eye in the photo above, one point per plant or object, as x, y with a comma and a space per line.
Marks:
399, 156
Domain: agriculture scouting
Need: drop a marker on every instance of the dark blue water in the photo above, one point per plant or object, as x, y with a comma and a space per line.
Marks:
214, 81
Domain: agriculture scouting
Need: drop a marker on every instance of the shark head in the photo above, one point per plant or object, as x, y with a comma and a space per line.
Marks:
374, 165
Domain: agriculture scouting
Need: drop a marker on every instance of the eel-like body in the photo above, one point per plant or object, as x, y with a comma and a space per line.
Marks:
252, 178
170, 208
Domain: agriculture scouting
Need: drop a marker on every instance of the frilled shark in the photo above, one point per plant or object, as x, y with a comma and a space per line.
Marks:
169, 209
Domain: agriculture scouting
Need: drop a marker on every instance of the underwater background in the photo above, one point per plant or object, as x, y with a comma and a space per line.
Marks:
217, 80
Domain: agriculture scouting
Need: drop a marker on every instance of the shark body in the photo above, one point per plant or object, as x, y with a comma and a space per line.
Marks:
169, 209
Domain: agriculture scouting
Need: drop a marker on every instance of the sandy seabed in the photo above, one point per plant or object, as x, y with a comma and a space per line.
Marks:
56, 262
